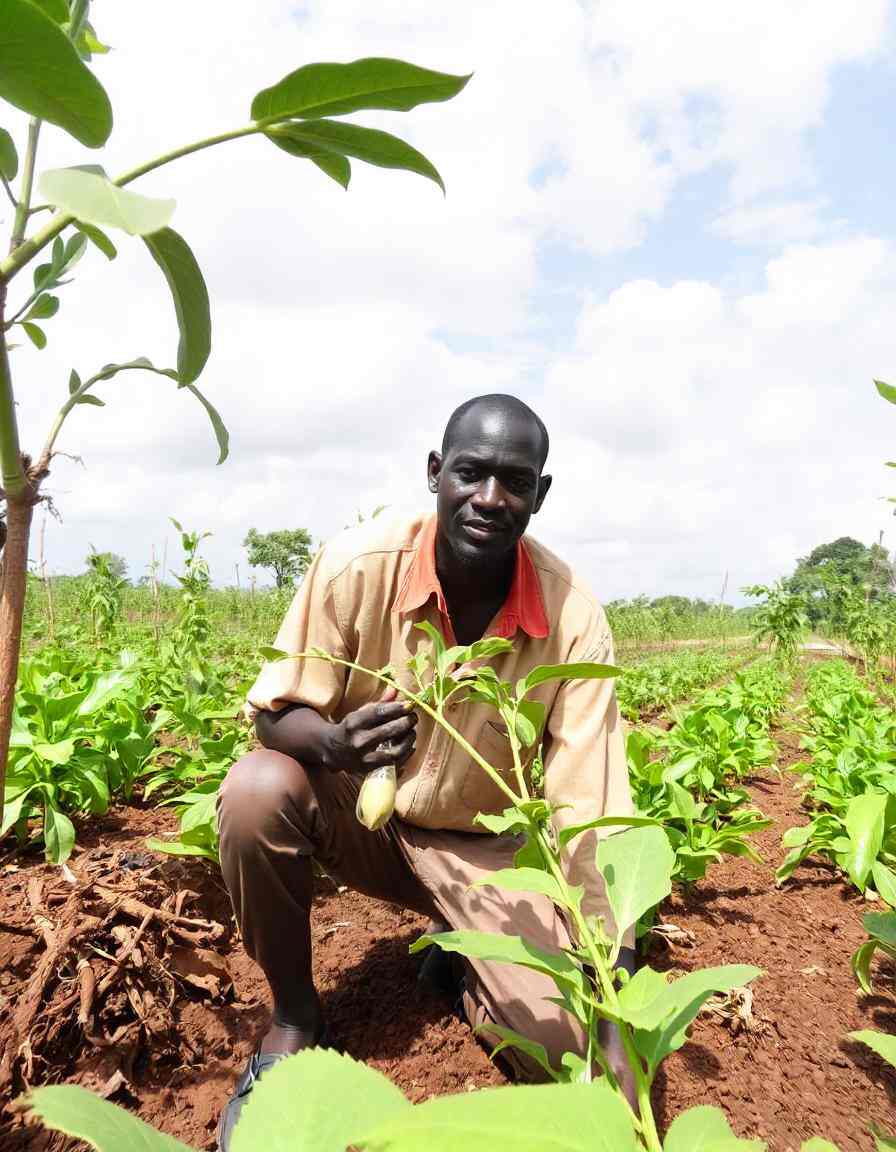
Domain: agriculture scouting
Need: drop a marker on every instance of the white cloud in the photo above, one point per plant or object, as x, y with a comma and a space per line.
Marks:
331, 362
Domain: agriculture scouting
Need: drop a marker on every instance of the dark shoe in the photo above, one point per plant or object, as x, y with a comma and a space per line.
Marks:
258, 1064
441, 973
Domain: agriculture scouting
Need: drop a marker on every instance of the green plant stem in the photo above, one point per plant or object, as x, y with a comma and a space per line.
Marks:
27, 187
13, 474
647, 1124
26, 250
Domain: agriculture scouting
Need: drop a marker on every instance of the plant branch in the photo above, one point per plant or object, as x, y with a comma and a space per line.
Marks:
24, 202
9, 193
13, 474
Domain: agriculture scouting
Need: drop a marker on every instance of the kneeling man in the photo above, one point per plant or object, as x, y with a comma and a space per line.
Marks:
471, 572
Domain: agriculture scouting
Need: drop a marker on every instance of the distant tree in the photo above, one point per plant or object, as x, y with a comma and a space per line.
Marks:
287, 553
678, 605
116, 566
829, 576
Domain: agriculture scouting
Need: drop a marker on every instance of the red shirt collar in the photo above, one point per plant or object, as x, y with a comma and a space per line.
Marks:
523, 608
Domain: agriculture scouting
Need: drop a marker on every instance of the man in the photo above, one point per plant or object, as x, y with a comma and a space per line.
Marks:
471, 572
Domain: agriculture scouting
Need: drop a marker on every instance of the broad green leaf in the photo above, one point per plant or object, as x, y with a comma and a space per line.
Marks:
92, 197
886, 390
177, 848
508, 821
99, 238
9, 157
501, 949
663, 1022
43, 75
105, 1126
581, 671
882, 1141
321, 137
318, 90
705, 1129
299, 1096
816, 1144
525, 880
882, 925
884, 881
528, 1118
529, 721
572, 830
865, 826
435, 636
882, 1043
272, 654
35, 334
95, 401
58, 753
59, 835
56, 9
637, 868
173, 255
106, 687
642, 989
14, 808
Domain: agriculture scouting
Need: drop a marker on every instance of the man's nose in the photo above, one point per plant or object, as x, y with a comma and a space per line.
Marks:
490, 494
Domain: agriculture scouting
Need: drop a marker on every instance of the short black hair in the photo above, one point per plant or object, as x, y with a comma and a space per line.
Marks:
496, 402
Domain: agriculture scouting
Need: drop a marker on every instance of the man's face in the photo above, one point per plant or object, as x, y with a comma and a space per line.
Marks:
489, 484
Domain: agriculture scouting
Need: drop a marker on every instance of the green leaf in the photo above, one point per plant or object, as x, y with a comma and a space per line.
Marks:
503, 949
59, 835
572, 830
882, 925
509, 1039
99, 238
58, 753
337, 168
173, 255
336, 89
87, 398
57, 10
43, 75
885, 882
35, 334
705, 1129
886, 390
581, 671
880, 1042
9, 157
106, 1126
865, 826
883, 1142
816, 1144
14, 807
642, 989
509, 820
108, 686
527, 1118
319, 137
861, 965
524, 880
43, 307
218, 427
637, 868
298, 1096
90, 196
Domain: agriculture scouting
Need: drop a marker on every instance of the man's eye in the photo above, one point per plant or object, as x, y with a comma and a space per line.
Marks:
468, 475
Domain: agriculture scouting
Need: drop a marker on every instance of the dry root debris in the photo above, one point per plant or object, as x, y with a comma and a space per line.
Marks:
118, 951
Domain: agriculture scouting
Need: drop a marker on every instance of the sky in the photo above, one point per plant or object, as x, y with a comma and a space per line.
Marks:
668, 228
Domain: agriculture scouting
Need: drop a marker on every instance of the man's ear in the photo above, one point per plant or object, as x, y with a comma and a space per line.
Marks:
433, 470
544, 484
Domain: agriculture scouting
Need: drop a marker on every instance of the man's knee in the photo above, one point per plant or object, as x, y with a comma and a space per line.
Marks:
260, 790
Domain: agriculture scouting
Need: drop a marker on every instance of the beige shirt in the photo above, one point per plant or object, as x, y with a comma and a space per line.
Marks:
351, 605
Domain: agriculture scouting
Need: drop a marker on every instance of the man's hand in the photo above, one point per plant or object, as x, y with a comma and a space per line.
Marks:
376, 734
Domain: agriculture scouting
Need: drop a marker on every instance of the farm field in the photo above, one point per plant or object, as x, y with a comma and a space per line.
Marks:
170, 1025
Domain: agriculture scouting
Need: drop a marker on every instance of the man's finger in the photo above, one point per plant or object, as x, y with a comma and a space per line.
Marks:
390, 752
389, 733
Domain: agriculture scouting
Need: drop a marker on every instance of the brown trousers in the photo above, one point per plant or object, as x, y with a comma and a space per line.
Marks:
274, 816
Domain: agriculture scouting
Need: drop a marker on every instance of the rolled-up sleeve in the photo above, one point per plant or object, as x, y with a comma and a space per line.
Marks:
586, 774
312, 621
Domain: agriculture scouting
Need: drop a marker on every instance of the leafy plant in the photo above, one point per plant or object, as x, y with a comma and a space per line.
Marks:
47, 47
104, 590
781, 619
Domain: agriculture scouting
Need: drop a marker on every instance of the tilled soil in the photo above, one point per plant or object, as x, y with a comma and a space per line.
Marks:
168, 1037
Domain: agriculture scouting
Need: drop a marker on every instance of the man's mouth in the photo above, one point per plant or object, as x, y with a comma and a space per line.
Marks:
483, 530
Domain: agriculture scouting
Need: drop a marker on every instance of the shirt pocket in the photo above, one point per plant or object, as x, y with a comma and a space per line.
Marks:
479, 792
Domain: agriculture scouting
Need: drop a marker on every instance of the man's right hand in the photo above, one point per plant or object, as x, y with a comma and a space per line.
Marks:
380, 733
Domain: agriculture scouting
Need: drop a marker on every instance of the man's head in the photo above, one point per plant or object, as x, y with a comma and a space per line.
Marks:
488, 476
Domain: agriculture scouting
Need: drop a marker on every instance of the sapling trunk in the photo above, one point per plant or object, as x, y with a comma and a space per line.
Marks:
12, 606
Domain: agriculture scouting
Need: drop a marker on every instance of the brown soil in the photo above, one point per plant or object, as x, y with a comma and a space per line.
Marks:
185, 1032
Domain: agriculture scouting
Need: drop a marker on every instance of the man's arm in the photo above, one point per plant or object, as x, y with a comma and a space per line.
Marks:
374, 735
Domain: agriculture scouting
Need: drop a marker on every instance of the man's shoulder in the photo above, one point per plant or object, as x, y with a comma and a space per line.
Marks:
380, 541
568, 598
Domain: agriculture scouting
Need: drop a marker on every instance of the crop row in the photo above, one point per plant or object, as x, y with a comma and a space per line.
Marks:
660, 681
